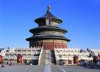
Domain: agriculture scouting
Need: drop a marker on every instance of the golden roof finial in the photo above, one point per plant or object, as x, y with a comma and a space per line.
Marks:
48, 7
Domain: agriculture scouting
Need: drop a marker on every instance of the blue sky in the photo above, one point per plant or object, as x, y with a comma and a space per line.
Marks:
80, 17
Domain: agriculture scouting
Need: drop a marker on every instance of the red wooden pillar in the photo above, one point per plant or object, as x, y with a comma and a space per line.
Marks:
43, 46
1, 60
53, 44
46, 46
75, 59
62, 45
49, 45
19, 59
51, 48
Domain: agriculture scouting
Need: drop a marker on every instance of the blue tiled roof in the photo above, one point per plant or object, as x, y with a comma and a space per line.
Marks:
48, 15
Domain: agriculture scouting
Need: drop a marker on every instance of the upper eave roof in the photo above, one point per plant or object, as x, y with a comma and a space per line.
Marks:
48, 15
41, 28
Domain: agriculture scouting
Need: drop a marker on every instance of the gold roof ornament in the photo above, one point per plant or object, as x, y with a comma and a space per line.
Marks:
48, 8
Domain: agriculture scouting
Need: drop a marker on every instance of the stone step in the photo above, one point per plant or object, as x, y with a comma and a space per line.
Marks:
45, 57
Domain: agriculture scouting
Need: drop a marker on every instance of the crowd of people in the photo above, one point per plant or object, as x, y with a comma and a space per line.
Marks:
92, 64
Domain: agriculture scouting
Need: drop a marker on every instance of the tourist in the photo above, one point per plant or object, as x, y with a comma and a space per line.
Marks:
2, 66
84, 63
92, 64
98, 63
25, 61
7, 63
10, 63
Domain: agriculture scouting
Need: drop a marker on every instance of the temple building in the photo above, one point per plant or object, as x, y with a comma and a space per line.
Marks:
48, 35
49, 46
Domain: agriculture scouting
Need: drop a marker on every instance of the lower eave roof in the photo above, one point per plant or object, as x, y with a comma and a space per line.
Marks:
41, 37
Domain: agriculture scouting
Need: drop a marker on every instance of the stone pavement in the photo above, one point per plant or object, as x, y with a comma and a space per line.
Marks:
46, 68
79, 69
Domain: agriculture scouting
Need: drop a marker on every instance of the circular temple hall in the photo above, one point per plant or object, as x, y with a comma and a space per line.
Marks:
48, 34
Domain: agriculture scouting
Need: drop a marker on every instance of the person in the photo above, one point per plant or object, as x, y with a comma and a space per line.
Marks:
92, 64
25, 61
10, 63
2, 66
84, 63
7, 63
98, 63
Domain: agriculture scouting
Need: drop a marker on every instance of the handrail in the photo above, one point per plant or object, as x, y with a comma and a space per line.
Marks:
40, 56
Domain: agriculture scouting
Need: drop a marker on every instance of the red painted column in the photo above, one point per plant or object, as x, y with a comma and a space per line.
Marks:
53, 44
49, 45
43, 46
1, 60
46, 45
62, 45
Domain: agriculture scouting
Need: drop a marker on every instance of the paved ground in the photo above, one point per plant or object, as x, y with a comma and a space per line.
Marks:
79, 69
47, 68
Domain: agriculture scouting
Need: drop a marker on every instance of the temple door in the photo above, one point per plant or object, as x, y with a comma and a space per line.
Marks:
19, 59
1, 60
75, 58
